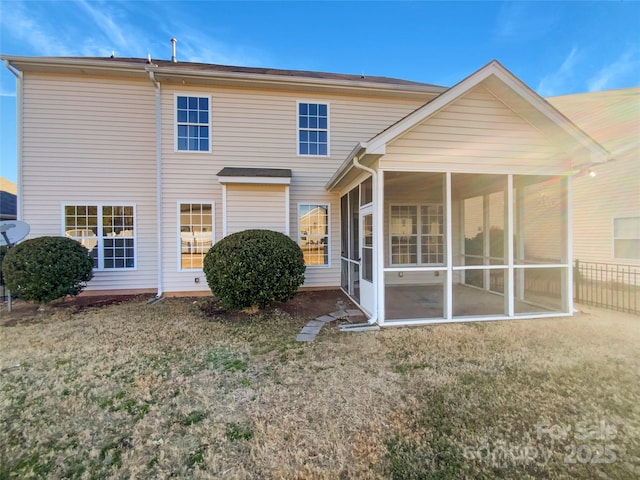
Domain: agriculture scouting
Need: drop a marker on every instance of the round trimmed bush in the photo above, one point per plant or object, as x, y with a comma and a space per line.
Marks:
254, 268
47, 268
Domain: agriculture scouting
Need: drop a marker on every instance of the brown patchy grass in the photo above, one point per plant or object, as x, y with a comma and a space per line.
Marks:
158, 391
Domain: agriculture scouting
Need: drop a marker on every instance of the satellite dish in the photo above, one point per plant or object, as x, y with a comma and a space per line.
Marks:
12, 231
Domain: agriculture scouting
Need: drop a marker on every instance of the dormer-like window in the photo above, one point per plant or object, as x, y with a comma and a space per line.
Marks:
313, 129
192, 124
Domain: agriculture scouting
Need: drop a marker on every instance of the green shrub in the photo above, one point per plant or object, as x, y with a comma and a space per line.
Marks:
3, 252
46, 268
254, 268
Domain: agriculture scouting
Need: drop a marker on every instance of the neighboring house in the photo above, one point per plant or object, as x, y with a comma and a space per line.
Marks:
8, 199
381, 181
606, 214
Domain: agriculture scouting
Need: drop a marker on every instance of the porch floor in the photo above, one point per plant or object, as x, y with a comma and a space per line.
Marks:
426, 301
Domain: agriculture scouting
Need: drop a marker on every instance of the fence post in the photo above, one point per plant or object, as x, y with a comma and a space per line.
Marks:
576, 281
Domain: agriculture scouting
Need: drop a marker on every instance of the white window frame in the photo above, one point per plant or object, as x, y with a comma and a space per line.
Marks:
179, 236
328, 129
321, 204
175, 121
100, 238
614, 238
418, 235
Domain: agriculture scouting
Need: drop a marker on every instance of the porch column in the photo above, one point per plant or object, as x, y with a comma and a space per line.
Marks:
378, 242
508, 288
448, 294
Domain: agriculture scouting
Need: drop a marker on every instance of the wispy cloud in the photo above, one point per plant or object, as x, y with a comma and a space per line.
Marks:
625, 66
558, 81
23, 26
520, 21
102, 16
7, 93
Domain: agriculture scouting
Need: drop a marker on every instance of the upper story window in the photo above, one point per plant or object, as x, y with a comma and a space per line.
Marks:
313, 129
192, 124
107, 231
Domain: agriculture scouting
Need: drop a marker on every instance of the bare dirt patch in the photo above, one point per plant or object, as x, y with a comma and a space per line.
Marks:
25, 313
307, 304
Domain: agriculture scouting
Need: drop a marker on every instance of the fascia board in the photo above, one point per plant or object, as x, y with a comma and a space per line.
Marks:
345, 167
256, 180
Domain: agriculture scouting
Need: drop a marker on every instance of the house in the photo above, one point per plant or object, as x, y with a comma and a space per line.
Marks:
423, 203
606, 214
8, 199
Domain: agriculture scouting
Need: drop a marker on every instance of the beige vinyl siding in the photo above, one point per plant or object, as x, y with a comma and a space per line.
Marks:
613, 193
91, 141
256, 206
258, 128
476, 133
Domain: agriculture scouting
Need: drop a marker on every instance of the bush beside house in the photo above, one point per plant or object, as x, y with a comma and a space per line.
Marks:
254, 268
47, 268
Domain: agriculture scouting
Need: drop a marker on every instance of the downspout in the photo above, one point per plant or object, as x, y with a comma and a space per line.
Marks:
374, 187
156, 84
19, 134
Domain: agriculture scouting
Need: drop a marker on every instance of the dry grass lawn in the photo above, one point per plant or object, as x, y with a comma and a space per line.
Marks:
159, 391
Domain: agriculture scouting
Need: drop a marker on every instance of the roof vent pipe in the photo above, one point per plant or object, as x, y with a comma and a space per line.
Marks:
173, 50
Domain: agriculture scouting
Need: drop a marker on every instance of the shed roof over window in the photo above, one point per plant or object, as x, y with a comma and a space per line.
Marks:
255, 175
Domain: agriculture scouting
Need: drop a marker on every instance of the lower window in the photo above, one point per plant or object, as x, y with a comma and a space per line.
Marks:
417, 234
196, 234
107, 231
313, 231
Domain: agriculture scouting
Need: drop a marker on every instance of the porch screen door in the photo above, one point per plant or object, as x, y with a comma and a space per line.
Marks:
366, 260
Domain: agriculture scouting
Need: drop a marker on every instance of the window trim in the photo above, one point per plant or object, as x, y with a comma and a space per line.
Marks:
175, 121
614, 238
178, 232
328, 129
100, 245
418, 235
299, 234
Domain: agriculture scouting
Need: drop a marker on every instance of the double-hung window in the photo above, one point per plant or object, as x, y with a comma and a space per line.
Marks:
626, 238
193, 124
417, 234
313, 129
196, 234
313, 231
107, 231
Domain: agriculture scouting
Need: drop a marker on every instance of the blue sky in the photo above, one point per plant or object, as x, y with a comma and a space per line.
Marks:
556, 48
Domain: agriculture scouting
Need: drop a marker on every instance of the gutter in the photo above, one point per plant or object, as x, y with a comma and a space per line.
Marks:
372, 322
19, 134
156, 85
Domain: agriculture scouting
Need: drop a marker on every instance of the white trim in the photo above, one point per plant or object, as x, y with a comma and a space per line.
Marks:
287, 211
175, 121
100, 238
179, 223
224, 210
448, 310
509, 289
315, 102
466, 319
256, 180
329, 237
378, 242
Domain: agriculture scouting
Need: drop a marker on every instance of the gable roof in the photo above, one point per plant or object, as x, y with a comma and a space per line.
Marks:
512, 92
